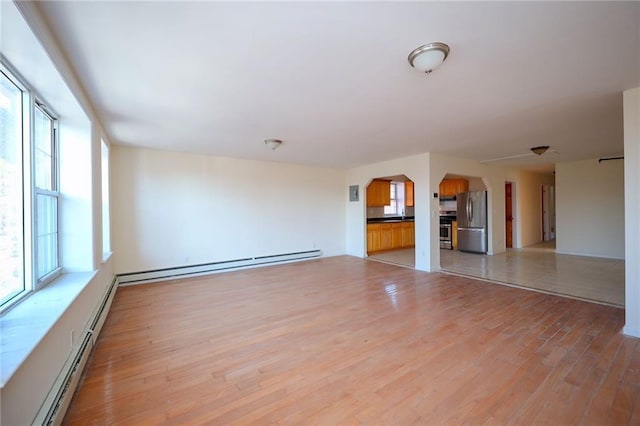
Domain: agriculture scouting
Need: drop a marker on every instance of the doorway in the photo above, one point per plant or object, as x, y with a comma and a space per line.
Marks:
390, 235
548, 212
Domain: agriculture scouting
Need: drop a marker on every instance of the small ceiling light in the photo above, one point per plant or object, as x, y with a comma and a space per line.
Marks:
539, 150
428, 57
273, 143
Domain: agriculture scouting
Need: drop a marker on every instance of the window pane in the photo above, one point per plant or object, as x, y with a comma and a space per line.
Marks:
106, 239
42, 133
11, 243
47, 238
392, 208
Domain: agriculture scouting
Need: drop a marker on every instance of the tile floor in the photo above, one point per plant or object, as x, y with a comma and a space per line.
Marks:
537, 267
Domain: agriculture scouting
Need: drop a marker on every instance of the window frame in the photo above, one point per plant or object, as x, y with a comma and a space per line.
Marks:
30, 101
25, 192
41, 281
392, 208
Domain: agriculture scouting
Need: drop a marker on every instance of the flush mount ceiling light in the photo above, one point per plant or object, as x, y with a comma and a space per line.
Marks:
428, 57
273, 143
539, 150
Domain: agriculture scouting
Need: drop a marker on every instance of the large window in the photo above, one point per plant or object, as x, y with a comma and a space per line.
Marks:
12, 281
28, 191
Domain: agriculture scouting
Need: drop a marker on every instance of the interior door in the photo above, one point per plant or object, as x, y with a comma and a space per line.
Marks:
508, 213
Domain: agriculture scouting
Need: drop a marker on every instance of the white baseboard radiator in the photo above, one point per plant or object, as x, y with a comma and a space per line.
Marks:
55, 405
132, 278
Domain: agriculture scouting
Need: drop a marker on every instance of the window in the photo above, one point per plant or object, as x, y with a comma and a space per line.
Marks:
12, 281
392, 208
28, 192
106, 238
47, 196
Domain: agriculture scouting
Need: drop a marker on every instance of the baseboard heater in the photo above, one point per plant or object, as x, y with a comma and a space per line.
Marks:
55, 405
132, 278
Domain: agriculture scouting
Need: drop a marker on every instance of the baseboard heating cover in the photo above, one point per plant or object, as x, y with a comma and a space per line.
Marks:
142, 277
55, 405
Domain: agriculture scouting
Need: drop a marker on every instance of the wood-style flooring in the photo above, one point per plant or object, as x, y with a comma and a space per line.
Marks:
344, 340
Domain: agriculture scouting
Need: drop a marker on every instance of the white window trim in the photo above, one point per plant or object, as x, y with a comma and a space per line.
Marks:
39, 282
31, 99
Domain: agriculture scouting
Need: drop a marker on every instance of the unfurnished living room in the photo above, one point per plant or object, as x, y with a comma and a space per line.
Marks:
319, 212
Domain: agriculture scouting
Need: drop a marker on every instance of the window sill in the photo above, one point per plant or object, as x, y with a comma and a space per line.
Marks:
24, 326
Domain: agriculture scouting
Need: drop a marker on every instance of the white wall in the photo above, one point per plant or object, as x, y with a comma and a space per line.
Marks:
171, 209
476, 184
32, 50
631, 99
415, 168
590, 208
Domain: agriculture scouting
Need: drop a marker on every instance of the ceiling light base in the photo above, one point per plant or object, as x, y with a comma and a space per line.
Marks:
539, 150
273, 143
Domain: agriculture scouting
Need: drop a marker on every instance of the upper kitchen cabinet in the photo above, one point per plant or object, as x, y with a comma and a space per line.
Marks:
379, 193
452, 187
408, 193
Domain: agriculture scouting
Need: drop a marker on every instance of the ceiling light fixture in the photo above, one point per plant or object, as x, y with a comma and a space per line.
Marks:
539, 150
428, 57
273, 143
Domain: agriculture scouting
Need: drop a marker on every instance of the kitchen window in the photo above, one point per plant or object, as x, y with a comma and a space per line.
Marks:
29, 197
392, 208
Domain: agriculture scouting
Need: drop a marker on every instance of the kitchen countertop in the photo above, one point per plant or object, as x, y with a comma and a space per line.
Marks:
390, 219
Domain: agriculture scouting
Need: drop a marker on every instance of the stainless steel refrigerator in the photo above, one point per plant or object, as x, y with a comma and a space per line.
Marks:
472, 221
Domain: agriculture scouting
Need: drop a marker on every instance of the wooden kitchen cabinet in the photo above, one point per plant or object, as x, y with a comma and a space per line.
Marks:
451, 187
408, 193
373, 237
379, 193
385, 237
454, 235
396, 235
390, 236
408, 234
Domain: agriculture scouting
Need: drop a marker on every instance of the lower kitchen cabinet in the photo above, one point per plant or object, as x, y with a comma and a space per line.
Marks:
396, 235
373, 237
408, 234
389, 236
385, 237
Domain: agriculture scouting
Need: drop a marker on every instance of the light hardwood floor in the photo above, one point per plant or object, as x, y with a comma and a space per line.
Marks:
345, 340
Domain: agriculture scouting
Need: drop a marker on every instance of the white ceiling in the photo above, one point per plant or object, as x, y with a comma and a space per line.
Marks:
332, 80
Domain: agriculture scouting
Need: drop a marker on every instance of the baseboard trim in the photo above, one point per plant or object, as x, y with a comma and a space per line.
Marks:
164, 274
630, 331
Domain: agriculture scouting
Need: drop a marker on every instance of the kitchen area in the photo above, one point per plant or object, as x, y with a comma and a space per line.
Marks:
390, 220
463, 214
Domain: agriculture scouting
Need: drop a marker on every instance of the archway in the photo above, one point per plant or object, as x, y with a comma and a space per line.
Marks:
390, 235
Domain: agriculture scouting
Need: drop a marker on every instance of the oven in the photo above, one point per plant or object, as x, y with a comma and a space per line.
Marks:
446, 232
